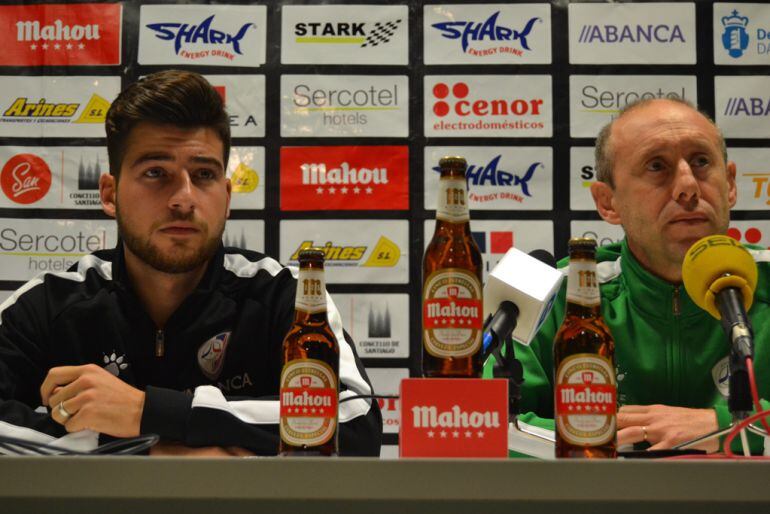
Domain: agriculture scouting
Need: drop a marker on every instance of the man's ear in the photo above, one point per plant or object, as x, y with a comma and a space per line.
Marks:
108, 190
604, 198
229, 197
732, 189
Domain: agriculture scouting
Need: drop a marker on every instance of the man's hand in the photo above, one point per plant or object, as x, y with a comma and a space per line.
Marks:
95, 399
166, 449
666, 426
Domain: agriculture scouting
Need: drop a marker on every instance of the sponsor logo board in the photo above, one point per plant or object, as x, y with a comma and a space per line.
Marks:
344, 34
498, 177
649, 33
378, 323
246, 234
246, 170
60, 35
4, 295
52, 177
596, 99
603, 232
357, 251
755, 232
244, 97
344, 106
741, 33
495, 237
489, 105
742, 106
487, 34
55, 106
387, 381
344, 178
582, 174
205, 35
752, 177
32, 246
389, 451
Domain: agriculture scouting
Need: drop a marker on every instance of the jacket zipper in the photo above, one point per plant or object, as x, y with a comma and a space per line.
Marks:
676, 303
676, 347
160, 344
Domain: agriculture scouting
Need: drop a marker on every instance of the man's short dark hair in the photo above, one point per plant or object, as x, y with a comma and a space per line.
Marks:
603, 152
173, 97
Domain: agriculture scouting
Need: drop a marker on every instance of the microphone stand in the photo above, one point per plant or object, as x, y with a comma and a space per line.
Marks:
740, 334
497, 337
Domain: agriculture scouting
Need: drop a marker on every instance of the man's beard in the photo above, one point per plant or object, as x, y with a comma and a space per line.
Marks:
181, 259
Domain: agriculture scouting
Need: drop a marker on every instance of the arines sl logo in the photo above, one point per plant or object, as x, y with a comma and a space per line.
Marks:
385, 254
469, 32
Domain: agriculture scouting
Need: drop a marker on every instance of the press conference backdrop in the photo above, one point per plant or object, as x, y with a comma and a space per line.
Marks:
340, 112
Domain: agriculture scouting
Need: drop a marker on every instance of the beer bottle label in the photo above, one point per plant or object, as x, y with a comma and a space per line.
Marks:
311, 291
585, 400
452, 313
308, 402
582, 286
452, 204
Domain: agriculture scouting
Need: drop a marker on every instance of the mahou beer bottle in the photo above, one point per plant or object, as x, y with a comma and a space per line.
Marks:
309, 378
451, 283
584, 363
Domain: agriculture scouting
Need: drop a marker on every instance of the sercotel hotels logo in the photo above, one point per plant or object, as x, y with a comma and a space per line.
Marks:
492, 174
202, 33
629, 33
735, 38
489, 30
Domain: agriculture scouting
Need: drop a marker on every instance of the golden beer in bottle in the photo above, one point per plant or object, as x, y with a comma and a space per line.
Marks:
310, 375
452, 314
584, 362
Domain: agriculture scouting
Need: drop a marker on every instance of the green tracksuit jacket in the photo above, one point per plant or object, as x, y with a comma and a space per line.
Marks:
667, 350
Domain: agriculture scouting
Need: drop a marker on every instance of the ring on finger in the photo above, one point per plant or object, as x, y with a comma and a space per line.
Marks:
63, 412
644, 432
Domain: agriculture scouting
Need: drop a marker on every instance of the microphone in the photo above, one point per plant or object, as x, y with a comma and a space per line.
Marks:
518, 296
720, 276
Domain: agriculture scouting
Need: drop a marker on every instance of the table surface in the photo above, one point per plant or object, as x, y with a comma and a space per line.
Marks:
273, 485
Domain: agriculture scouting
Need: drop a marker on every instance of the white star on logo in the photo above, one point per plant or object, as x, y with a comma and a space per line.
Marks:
369, 190
480, 433
455, 434
443, 433
430, 433
332, 190
356, 190
57, 46
469, 434
81, 46
579, 408
33, 46
312, 410
45, 46
304, 411
319, 190
344, 190
69, 46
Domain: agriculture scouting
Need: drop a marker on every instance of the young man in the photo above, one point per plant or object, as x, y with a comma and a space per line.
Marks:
148, 337
663, 175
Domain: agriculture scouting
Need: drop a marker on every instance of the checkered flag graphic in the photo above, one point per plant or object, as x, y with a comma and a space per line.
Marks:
381, 33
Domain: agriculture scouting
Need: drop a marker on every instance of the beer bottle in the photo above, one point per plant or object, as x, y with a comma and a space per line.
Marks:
451, 288
584, 362
309, 378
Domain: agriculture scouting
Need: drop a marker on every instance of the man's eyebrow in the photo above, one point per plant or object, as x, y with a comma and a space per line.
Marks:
152, 156
211, 161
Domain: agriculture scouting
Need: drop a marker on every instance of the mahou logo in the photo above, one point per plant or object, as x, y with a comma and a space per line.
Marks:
45, 35
344, 178
25, 178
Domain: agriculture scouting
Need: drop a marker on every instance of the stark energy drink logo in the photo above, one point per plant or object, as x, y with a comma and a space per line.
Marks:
346, 33
211, 355
182, 33
489, 30
25, 178
735, 38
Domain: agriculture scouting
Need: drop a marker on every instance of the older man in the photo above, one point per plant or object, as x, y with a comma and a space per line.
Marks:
663, 175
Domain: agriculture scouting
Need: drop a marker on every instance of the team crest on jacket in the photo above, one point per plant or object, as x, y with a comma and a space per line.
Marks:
211, 355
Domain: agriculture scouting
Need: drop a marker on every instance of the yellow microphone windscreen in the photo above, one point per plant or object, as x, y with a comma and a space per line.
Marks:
716, 262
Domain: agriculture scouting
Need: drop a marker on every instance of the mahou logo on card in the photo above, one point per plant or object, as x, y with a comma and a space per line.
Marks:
344, 178
60, 35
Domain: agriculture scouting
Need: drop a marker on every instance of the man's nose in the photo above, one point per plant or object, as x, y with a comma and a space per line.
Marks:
686, 188
182, 198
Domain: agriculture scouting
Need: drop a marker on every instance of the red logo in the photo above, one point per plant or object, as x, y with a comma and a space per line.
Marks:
222, 91
344, 178
459, 104
60, 34
454, 418
25, 178
752, 235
